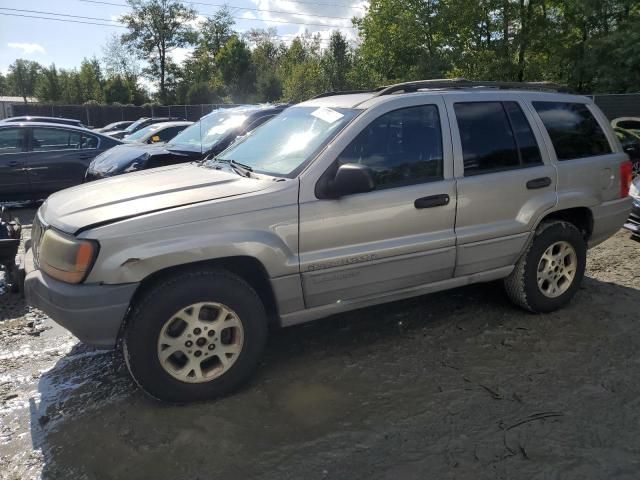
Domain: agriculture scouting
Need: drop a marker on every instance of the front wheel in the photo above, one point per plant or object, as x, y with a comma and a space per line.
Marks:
548, 275
196, 336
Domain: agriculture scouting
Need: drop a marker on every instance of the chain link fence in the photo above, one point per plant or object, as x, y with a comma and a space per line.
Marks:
613, 106
101, 115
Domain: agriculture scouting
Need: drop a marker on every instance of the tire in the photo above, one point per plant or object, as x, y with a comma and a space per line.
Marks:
184, 300
522, 285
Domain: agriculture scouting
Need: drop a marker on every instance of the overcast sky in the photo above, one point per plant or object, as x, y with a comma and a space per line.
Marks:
65, 44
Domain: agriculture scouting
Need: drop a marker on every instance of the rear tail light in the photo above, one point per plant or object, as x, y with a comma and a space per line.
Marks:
626, 171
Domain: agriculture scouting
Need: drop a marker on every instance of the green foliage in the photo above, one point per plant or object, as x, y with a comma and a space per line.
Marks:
117, 90
48, 85
203, 93
91, 81
236, 69
591, 45
22, 78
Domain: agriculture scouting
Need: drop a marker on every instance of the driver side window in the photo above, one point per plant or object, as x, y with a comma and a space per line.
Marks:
402, 147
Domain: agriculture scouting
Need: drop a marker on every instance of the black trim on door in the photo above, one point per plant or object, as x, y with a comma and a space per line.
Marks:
432, 201
538, 183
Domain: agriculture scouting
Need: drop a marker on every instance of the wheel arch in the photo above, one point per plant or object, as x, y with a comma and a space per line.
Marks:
250, 269
581, 217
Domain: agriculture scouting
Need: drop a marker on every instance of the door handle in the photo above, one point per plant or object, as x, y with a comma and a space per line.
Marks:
538, 183
432, 201
14, 163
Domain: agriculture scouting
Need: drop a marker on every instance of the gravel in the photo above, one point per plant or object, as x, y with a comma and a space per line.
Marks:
458, 384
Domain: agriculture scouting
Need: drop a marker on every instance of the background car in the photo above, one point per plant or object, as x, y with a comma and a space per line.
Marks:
627, 123
157, 133
63, 121
140, 123
633, 223
37, 159
631, 145
208, 137
112, 127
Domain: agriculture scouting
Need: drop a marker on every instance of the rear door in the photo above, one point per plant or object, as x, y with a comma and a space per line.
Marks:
399, 235
59, 158
581, 142
14, 181
505, 181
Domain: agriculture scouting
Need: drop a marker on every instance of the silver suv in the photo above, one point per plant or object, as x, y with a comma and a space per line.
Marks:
338, 203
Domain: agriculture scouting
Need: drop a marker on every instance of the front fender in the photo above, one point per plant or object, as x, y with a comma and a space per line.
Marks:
135, 262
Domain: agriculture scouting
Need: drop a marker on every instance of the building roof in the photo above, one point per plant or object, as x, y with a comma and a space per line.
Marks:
9, 99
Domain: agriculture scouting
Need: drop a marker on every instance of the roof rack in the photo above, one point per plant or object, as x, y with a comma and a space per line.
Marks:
408, 87
345, 92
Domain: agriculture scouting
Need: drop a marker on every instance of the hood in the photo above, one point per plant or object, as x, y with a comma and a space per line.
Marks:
126, 196
117, 159
130, 157
119, 134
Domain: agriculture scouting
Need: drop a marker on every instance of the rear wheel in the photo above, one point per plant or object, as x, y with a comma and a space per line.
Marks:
195, 337
548, 275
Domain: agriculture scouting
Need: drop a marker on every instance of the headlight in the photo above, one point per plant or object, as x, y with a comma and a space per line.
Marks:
633, 191
66, 258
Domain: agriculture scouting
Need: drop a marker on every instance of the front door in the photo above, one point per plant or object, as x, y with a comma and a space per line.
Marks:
399, 235
57, 159
14, 181
505, 181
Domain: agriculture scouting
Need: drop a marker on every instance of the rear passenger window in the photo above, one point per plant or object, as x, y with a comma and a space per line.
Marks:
47, 139
495, 136
89, 142
527, 144
573, 129
11, 140
402, 147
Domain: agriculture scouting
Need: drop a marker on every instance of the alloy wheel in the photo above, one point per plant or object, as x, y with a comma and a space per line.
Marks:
557, 269
200, 342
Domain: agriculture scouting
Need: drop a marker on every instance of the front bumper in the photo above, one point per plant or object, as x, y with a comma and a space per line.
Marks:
633, 222
93, 313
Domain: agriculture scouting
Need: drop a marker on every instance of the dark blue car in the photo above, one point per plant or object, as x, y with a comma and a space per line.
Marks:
37, 159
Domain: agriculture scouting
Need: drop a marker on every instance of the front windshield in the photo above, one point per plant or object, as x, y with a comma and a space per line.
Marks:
204, 134
282, 145
140, 134
135, 124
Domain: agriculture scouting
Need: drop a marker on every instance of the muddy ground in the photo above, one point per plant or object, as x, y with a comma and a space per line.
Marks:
458, 384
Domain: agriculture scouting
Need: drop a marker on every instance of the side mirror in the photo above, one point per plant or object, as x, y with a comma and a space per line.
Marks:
350, 178
155, 139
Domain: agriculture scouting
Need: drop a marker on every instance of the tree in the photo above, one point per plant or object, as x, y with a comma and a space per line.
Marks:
117, 90
23, 76
48, 86
156, 28
91, 81
266, 53
336, 62
4, 90
236, 69
202, 93
70, 87
401, 40
301, 69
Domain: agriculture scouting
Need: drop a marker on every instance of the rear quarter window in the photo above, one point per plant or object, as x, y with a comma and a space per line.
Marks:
574, 131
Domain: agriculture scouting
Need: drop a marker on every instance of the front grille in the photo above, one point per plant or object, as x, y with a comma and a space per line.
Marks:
635, 219
37, 230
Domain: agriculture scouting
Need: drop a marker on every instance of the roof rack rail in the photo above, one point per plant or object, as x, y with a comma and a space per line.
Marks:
345, 92
444, 83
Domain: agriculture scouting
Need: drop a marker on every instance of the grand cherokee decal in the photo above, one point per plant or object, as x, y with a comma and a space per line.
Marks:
341, 262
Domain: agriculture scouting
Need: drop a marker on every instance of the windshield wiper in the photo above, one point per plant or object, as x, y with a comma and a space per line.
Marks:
239, 168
